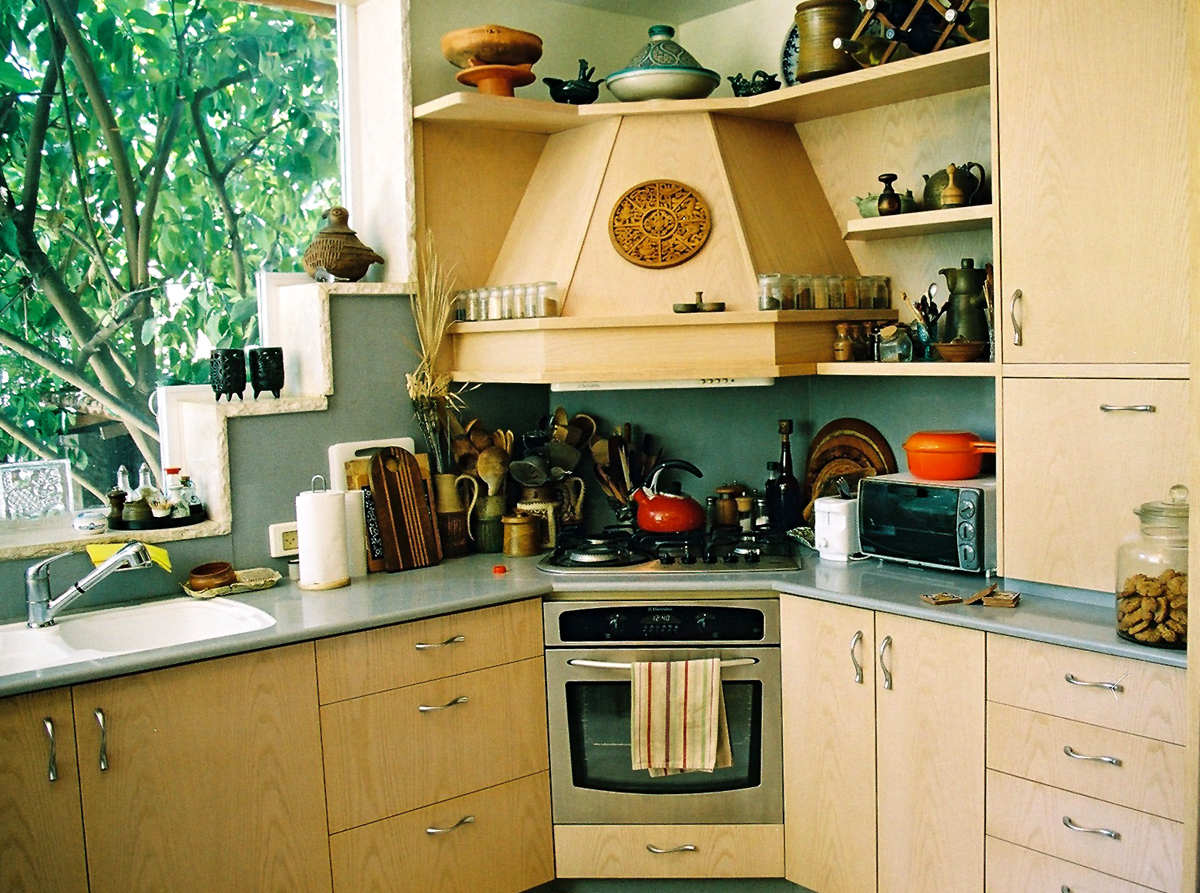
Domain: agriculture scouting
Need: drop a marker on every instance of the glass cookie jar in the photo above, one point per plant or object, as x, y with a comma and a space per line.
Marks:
1152, 575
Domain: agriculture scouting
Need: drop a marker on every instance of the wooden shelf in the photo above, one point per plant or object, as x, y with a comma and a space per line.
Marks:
936, 369
947, 71
918, 223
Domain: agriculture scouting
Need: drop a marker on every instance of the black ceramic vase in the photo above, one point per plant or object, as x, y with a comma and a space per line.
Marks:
227, 372
266, 370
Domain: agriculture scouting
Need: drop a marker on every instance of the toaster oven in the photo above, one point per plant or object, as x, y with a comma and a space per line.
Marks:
942, 524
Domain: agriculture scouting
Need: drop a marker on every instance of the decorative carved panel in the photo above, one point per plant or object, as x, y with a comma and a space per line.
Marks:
659, 223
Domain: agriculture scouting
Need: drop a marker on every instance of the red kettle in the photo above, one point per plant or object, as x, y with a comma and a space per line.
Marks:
668, 512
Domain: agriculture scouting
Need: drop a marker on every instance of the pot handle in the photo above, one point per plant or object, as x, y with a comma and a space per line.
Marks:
681, 464
984, 446
979, 167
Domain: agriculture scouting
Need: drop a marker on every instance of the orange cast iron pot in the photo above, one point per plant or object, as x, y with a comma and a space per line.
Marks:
946, 455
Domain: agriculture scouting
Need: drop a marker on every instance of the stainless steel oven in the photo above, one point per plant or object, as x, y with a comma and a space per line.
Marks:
589, 646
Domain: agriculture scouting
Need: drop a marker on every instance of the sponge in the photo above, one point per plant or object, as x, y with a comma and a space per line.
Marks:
100, 552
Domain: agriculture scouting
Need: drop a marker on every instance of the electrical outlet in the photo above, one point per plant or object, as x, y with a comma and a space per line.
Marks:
285, 541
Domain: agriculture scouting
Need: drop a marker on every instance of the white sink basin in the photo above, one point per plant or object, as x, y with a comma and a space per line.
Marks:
111, 631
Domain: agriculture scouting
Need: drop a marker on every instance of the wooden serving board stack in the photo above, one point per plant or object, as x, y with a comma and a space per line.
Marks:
404, 511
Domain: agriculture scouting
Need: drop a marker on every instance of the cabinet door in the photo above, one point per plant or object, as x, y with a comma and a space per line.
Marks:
213, 781
41, 827
930, 752
1074, 473
829, 745
1095, 179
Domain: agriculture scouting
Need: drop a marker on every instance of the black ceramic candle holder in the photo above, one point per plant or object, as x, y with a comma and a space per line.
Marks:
227, 372
266, 370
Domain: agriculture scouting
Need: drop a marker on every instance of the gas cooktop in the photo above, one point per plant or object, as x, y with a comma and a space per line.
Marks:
638, 552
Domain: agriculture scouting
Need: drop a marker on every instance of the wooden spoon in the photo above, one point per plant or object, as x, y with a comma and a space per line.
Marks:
492, 468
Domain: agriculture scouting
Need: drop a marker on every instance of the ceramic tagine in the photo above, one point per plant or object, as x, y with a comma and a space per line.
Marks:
494, 59
338, 251
662, 69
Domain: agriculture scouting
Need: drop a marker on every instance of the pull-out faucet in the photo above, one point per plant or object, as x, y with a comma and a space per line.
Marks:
42, 609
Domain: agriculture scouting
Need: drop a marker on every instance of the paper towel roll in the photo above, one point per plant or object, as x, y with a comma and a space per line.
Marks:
321, 530
356, 532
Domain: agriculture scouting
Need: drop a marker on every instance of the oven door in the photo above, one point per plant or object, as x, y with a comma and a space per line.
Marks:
592, 779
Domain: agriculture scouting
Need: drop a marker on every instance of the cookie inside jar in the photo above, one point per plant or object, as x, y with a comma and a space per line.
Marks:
1152, 575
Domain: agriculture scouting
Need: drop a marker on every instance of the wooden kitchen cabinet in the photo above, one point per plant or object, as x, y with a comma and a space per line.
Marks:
1095, 180
915, 716
680, 851
213, 778
1074, 473
1085, 756
41, 823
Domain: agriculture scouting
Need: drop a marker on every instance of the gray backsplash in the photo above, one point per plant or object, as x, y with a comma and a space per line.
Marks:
729, 433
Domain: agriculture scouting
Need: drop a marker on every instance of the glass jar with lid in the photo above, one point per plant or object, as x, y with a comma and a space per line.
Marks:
1152, 575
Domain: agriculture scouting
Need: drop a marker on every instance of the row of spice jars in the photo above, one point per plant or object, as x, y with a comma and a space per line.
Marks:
870, 340
795, 291
527, 300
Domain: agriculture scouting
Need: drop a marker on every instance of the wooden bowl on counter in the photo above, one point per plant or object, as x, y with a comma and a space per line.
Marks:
211, 576
961, 351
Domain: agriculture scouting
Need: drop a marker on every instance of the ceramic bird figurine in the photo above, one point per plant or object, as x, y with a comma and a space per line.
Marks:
581, 91
338, 251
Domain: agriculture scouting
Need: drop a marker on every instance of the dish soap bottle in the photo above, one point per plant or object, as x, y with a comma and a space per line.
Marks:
783, 492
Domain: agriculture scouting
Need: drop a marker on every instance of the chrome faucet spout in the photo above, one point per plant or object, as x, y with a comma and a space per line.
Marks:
42, 609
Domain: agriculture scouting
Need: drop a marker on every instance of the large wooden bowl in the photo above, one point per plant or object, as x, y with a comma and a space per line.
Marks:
491, 45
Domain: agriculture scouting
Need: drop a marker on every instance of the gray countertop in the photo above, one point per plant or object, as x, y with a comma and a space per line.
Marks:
1082, 620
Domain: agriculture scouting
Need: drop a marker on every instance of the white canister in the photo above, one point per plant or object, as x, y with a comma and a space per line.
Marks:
835, 527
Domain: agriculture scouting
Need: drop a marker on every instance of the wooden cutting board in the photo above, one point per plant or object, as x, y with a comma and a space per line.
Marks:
403, 508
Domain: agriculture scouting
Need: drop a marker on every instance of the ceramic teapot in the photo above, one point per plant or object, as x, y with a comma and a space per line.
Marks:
953, 187
966, 317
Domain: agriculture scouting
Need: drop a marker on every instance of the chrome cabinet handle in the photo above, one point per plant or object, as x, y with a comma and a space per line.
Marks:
453, 640
887, 674
1103, 832
1132, 407
103, 740
686, 848
465, 820
1012, 314
1112, 761
858, 673
1114, 687
52, 771
425, 708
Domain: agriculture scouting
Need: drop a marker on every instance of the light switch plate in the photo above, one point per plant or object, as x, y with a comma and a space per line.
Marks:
284, 539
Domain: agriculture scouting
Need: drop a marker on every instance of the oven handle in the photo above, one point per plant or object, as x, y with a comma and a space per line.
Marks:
614, 665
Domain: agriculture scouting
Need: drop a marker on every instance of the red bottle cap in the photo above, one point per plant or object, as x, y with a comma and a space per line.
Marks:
499, 569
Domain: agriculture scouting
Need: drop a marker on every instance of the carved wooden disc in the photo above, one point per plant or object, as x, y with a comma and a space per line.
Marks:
659, 223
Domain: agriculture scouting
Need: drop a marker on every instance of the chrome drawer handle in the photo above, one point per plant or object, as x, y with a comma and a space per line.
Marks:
1103, 832
453, 640
1012, 314
858, 673
1112, 761
1114, 687
103, 740
1132, 407
686, 848
465, 820
887, 674
425, 708
52, 772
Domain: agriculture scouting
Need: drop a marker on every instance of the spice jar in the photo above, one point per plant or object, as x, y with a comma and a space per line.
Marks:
843, 347
1152, 575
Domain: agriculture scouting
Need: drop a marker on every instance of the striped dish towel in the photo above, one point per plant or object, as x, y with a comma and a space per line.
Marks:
677, 717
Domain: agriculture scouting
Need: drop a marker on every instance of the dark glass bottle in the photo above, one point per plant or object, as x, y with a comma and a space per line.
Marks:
919, 40
783, 492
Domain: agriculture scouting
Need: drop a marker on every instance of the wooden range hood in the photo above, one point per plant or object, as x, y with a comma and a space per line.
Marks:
509, 206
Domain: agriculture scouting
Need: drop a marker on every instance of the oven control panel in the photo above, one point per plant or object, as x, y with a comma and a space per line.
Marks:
662, 623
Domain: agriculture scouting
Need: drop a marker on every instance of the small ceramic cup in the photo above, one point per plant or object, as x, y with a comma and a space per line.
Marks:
266, 370
227, 372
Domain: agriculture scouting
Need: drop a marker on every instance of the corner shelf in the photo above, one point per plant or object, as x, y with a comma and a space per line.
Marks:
918, 223
946, 71
932, 369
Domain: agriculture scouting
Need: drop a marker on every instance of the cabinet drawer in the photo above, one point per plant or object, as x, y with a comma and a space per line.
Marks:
385, 756
1149, 776
1148, 850
507, 846
1014, 869
1033, 675
394, 656
621, 851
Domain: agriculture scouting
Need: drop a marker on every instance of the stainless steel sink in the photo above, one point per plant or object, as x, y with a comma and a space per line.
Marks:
107, 632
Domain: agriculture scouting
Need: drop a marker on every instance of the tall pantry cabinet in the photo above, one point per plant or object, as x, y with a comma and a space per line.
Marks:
1094, 258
